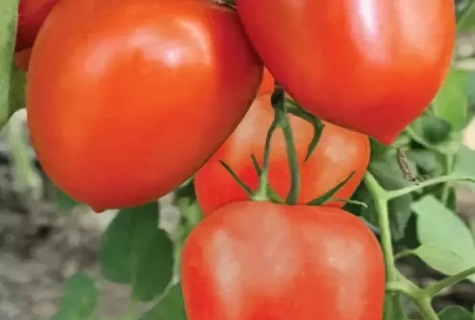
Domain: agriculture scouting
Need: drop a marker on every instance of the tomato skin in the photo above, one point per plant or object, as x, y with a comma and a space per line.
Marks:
367, 65
31, 16
267, 84
127, 104
338, 153
22, 59
258, 260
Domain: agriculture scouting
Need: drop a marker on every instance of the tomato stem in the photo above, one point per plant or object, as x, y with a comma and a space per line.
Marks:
437, 287
293, 195
264, 174
442, 179
380, 199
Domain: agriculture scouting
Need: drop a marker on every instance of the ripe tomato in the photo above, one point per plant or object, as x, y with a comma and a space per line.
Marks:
338, 153
31, 15
259, 260
127, 104
370, 66
22, 59
267, 85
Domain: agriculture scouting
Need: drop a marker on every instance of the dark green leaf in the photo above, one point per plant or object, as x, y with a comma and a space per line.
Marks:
455, 313
451, 102
329, 194
446, 242
12, 80
63, 201
169, 307
135, 251
80, 296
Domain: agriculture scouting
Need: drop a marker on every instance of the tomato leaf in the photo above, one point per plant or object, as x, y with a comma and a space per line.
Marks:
12, 80
63, 201
455, 313
79, 299
451, 102
447, 244
466, 17
170, 307
135, 251
329, 194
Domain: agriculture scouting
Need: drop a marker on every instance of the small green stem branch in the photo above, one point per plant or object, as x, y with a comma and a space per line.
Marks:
261, 192
380, 199
293, 162
437, 287
404, 191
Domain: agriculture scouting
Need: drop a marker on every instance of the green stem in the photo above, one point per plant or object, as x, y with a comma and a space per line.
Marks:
409, 289
293, 195
261, 192
380, 199
448, 282
404, 191
448, 164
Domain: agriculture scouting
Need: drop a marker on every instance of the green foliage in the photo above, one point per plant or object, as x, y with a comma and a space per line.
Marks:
135, 251
79, 299
169, 307
456, 313
446, 242
12, 80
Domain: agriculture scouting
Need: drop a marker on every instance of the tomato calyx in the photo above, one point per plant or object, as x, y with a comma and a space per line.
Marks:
284, 106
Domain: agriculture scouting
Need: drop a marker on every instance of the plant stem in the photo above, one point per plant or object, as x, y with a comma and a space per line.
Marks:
404, 191
261, 191
448, 282
422, 300
448, 164
293, 195
380, 199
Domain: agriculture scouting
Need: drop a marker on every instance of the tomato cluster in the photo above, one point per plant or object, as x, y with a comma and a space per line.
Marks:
128, 99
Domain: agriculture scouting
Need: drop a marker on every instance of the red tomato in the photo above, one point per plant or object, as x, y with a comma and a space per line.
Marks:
267, 85
22, 59
31, 15
127, 104
259, 260
338, 153
368, 65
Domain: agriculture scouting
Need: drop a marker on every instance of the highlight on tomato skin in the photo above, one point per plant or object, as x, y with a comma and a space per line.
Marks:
374, 67
123, 108
259, 260
339, 153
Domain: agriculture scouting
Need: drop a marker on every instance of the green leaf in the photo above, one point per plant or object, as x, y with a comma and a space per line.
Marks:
63, 201
170, 307
329, 194
135, 251
80, 296
446, 242
455, 313
464, 167
466, 19
12, 80
451, 102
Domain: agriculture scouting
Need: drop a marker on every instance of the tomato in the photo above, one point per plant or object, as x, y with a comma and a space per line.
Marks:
338, 153
31, 15
367, 65
127, 104
267, 85
22, 59
259, 260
